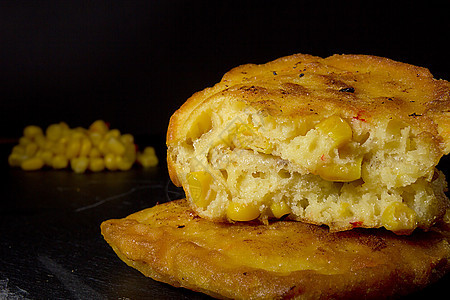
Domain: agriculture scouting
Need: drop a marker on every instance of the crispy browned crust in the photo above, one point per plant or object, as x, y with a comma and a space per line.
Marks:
282, 260
362, 86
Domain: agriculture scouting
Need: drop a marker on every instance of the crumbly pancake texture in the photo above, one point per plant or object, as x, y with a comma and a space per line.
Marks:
346, 141
281, 260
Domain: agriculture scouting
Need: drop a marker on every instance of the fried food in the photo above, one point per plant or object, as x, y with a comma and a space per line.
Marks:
346, 141
284, 259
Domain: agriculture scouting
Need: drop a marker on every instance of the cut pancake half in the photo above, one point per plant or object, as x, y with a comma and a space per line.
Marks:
346, 141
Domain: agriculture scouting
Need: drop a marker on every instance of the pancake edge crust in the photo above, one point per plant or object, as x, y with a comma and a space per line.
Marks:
152, 241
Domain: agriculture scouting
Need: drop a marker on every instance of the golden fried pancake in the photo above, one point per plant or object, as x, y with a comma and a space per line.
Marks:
284, 259
346, 141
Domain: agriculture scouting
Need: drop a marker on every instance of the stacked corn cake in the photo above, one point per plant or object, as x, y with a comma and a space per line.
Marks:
345, 141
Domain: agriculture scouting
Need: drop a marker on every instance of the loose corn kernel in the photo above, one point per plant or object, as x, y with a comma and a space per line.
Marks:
147, 158
18, 149
337, 128
112, 133
54, 132
110, 162
40, 140
114, 145
341, 173
399, 218
96, 138
23, 141
96, 164
242, 212
123, 164
47, 156
94, 152
280, 209
16, 159
79, 164
73, 148
127, 139
99, 126
32, 131
31, 164
85, 147
31, 149
59, 161
199, 184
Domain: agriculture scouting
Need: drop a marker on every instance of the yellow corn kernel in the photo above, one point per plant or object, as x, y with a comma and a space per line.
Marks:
199, 184
336, 128
54, 132
31, 149
127, 138
96, 164
280, 209
85, 147
16, 159
32, 131
399, 218
59, 147
246, 136
18, 149
59, 161
47, 156
40, 140
23, 141
95, 138
31, 164
115, 146
79, 164
110, 162
99, 126
242, 212
149, 151
341, 173
147, 160
123, 164
112, 133
73, 148
94, 152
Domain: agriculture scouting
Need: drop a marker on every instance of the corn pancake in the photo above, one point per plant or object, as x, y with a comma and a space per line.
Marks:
285, 259
346, 141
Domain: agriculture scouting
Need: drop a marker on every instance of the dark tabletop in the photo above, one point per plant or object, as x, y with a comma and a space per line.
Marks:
50, 241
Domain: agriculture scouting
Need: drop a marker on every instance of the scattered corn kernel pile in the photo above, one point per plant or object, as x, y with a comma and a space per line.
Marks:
96, 149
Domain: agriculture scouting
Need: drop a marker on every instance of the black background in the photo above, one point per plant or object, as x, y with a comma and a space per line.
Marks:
133, 63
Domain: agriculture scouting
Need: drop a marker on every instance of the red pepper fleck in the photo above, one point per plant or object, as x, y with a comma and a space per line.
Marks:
356, 223
358, 117
322, 158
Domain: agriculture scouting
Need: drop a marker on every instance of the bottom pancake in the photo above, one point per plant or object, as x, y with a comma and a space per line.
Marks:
285, 259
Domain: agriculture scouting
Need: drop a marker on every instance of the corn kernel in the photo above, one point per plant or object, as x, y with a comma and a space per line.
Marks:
110, 162
114, 145
23, 141
280, 209
85, 147
59, 147
127, 138
123, 164
31, 164
149, 151
95, 138
99, 126
341, 173
16, 159
31, 149
96, 164
94, 152
112, 133
54, 132
47, 156
246, 136
336, 128
199, 184
40, 140
59, 162
79, 164
32, 131
73, 148
18, 149
242, 212
399, 218
147, 160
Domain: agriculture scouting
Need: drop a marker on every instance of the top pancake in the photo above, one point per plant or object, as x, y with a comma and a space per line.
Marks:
353, 86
